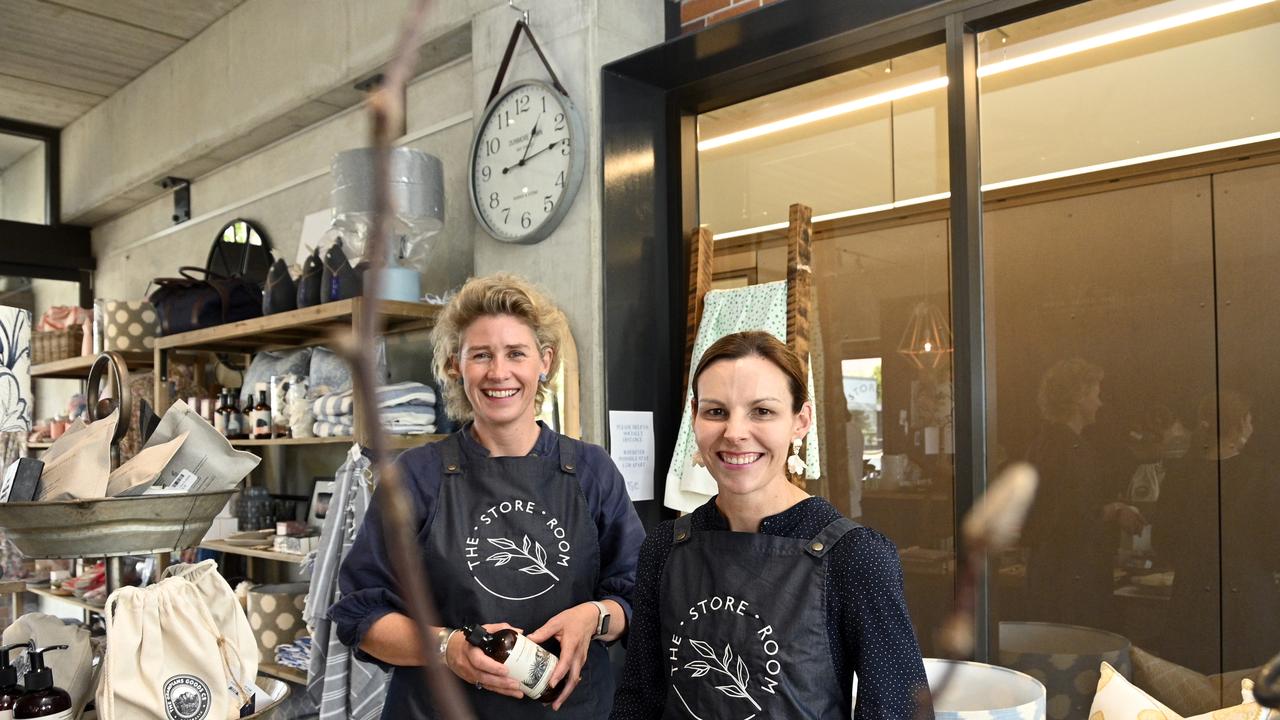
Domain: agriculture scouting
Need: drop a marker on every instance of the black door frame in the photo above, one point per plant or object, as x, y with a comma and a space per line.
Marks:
50, 250
650, 102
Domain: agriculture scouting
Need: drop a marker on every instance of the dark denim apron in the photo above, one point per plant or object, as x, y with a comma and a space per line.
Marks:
744, 624
512, 542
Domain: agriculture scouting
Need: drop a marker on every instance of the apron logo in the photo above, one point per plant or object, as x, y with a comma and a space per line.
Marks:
504, 566
186, 697
727, 671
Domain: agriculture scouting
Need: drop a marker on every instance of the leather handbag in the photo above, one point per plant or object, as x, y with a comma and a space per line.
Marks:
280, 294
191, 302
309, 283
339, 281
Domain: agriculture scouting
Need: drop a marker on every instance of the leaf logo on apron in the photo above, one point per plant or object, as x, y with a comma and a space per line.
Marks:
186, 697
718, 664
517, 551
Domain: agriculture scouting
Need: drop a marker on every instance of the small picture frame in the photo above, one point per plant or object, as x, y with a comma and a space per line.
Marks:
320, 499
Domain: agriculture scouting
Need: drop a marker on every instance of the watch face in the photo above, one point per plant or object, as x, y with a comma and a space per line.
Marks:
525, 166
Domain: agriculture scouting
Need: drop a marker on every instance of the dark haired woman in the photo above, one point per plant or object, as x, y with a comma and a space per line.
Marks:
765, 602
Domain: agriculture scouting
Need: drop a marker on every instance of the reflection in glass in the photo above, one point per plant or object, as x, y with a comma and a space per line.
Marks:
1124, 342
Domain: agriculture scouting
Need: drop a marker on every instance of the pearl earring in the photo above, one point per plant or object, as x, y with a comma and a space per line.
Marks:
796, 465
542, 377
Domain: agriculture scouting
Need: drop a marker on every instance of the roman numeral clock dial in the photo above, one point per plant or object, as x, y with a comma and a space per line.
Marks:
527, 162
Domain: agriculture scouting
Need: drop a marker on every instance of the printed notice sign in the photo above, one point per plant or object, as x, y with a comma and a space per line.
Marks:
631, 447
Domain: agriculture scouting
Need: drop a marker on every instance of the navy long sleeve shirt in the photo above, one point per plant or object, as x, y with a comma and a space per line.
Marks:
868, 627
366, 579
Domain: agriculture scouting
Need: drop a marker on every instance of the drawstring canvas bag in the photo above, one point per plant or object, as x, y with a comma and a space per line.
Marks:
167, 656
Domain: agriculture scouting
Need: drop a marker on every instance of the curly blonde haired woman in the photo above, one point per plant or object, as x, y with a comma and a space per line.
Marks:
520, 526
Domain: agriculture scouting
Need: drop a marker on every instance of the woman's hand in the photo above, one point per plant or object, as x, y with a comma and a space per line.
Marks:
471, 664
573, 629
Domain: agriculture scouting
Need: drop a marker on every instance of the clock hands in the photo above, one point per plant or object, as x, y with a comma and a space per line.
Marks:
524, 160
532, 134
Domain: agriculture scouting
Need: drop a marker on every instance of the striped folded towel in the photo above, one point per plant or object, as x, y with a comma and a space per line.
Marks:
408, 415
400, 394
330, 429
411, 430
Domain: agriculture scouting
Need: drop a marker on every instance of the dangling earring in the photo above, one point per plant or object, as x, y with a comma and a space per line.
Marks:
795, 465
697, 458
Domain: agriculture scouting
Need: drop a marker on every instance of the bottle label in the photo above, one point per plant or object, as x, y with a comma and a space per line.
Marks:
261, 423
235, 424
64, 715
531, 665
6, 714
220, 423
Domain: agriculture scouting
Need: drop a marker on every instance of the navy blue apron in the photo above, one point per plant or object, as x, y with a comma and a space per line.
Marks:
512, 541
744, 625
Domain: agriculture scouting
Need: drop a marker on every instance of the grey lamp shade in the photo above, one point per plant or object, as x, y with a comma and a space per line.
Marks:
417, 186
1066, 658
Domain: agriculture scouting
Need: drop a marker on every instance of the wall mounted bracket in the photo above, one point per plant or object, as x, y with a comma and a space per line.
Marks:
181, 197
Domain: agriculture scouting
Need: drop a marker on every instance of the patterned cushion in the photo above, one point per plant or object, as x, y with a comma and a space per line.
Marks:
1117, 699
1184, 689
129, 325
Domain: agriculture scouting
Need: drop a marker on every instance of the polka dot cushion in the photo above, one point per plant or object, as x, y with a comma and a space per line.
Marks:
130, 325
1118, 699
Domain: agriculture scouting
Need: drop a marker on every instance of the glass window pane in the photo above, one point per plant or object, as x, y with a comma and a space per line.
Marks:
1124, 329
22, 179
854, 147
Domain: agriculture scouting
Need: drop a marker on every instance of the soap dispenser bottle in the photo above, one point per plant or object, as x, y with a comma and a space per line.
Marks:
10, 690
43, 699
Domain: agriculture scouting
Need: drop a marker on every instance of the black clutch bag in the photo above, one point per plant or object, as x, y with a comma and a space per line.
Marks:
339, 280
309, 283
281, 294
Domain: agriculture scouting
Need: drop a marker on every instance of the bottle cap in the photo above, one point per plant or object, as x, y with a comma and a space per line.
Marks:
38, 677
8, 673
476, 634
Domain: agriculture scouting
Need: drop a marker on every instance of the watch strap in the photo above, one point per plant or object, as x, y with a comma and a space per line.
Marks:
601, 628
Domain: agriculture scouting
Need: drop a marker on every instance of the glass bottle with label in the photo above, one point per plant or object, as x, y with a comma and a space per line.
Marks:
527, 662
261, 418
43, 698
235, 419
10, 690
220, 413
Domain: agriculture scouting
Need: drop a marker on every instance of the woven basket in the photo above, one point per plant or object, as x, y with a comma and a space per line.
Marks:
50, 345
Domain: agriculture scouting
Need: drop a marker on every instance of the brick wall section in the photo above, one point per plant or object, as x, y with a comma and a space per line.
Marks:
698, 14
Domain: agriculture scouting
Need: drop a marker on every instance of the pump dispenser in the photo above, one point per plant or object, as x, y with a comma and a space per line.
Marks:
10, 690
43, 698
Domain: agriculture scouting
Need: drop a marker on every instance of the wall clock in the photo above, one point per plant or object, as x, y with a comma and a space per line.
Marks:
528, 156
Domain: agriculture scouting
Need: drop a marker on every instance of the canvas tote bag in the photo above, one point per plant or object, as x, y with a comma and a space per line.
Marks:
168, 658
227, 613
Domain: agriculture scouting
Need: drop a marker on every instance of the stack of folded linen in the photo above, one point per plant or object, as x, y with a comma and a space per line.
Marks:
407, 408
296, 654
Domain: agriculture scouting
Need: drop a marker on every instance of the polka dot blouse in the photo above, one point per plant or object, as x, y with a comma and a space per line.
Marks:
867, 622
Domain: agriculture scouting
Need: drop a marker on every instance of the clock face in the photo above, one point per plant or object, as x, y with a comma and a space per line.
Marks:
525, 163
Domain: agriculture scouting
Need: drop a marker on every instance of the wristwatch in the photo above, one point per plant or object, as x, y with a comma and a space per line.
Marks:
602, 626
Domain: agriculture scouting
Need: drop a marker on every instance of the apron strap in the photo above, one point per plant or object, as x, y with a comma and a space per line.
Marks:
451, 455
682, 529
829, 536
568, 455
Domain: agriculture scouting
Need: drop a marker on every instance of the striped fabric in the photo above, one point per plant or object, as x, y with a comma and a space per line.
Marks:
343, 686
400, 394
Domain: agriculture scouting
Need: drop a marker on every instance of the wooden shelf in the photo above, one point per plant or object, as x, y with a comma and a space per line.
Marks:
299, 328
287, 674
69, 599
394, 442
220, 546
77, 368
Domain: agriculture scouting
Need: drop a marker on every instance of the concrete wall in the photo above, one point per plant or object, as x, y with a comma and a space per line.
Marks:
22, 189
279, 185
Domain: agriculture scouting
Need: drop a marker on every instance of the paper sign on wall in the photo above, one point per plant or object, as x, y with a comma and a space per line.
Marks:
631, 447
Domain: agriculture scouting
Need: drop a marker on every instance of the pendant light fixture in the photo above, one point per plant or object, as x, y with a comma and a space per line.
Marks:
927, 340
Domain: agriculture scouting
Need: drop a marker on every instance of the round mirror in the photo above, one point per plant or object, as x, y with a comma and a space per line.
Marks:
241, 248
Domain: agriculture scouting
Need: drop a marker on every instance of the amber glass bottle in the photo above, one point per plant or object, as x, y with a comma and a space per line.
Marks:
527, 662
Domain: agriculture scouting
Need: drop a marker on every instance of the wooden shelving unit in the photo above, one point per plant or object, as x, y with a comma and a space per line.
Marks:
287, 674
77, 368
226, 547
69, 599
